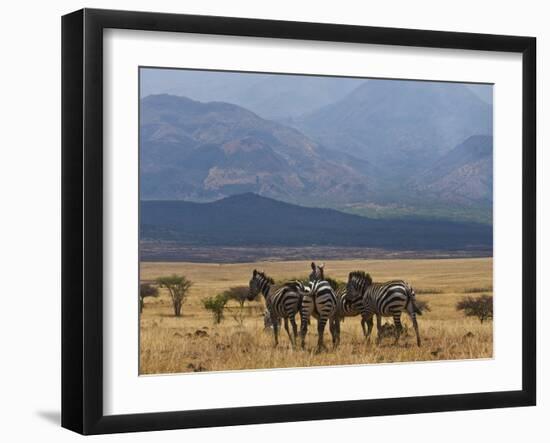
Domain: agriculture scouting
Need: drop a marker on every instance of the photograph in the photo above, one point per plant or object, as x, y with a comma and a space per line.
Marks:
292, 221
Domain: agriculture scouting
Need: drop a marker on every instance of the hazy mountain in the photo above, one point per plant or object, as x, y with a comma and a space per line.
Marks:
204, 151
400, 126
272, 96
248, 219
463, 176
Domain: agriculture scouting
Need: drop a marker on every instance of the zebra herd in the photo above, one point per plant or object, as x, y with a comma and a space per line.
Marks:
319, 300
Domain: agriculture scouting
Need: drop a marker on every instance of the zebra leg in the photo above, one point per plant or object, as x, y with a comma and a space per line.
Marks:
305, 313
415, 325
331, 326
334, 325
294, 329
288, 332
304, 321
369, 323
378, 329
398, 326
320, 332
276, 324
363, 323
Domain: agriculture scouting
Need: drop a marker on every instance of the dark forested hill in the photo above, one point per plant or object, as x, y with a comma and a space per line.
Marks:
248, 219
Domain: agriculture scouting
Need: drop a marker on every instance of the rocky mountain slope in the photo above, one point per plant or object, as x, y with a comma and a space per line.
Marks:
203, 151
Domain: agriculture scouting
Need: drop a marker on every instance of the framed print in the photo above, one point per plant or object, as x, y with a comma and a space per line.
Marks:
307, 221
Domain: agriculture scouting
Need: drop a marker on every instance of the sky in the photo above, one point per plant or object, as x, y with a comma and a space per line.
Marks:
272, 96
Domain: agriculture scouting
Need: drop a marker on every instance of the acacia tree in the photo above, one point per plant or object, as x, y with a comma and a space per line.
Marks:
177, 286
146, 290
480, 307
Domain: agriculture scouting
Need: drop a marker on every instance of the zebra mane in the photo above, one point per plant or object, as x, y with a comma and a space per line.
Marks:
263, 275
361, 275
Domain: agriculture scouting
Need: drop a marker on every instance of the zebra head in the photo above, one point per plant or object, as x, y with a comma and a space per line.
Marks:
317, 272
358, 281
258, 283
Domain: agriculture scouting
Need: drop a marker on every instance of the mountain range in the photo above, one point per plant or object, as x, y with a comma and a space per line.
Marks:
251, 220
401, 126
463, 176
419, 147
204, 151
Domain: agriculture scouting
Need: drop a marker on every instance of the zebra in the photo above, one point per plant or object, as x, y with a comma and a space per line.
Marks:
285, 302
345, 306
320, 302
387, 299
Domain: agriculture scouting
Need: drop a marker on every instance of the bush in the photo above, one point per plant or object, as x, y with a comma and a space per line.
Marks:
478, 289
334, 284
216, 306
237, 293
480, 307
303, 280
146, 290
177, 286
428, 291
423, 306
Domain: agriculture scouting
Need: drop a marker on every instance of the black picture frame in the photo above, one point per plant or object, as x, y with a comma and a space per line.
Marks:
82, 218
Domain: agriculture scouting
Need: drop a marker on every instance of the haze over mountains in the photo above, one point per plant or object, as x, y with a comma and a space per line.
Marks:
400, 126
372, 147
271, 96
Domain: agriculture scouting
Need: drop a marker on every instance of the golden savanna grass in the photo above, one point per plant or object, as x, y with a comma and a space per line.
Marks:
193, 343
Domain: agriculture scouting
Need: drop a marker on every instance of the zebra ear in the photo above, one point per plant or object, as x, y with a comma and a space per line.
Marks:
313, 265
254, 273
322, 266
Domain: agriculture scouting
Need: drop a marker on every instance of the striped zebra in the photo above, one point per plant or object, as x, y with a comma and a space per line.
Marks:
282, 303
387, 299
346, 307
320, 303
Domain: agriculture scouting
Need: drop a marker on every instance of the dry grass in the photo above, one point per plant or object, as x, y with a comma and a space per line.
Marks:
193, 343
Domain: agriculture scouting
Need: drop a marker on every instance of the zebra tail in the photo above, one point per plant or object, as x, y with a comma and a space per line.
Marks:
412, 300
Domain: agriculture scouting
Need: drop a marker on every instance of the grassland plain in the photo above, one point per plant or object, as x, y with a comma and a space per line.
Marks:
193, 343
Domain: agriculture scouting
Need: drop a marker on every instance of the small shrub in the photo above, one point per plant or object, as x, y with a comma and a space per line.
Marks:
146, 290
478, 290
303, 280
428, 291
480, 307
389, 330
423, 306
335, 284
216, 305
